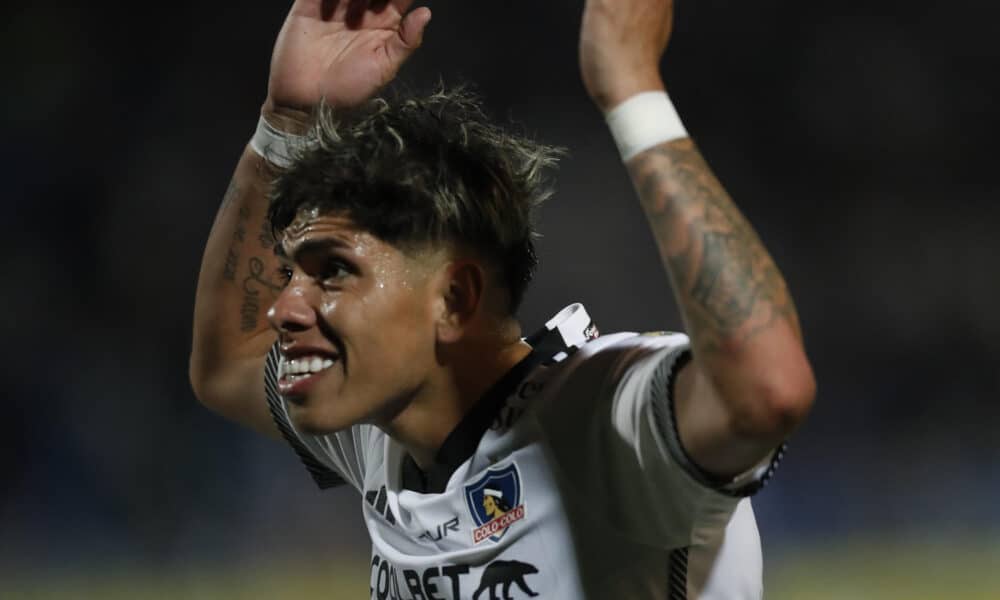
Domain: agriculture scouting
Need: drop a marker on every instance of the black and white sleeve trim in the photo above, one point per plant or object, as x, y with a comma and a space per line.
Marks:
746, 484
324, 476
677, 574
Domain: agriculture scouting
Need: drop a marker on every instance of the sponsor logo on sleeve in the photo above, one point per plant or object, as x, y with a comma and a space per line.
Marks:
495, 502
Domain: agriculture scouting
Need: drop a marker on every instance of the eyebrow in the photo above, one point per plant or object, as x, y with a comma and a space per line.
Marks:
310, 246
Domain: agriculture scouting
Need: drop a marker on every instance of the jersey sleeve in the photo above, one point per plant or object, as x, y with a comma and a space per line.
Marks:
611, 422
648, 386
331, 460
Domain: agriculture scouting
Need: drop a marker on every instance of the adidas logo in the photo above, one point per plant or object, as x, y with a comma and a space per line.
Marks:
378, 501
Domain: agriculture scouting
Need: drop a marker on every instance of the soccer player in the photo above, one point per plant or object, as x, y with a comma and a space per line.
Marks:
379, 337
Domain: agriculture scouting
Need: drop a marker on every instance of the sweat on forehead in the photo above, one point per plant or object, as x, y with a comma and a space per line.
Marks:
311, 221
313, 229
304, 217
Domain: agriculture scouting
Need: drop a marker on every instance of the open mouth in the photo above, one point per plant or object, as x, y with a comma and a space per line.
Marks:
295, 374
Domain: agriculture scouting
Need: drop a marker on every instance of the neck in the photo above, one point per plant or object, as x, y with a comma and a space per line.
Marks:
466, 374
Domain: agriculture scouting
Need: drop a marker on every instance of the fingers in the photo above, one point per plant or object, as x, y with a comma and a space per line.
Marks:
327, 8
402, 5
411, 30
356, 10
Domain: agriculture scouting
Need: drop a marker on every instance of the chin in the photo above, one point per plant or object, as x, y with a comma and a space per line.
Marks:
309, 420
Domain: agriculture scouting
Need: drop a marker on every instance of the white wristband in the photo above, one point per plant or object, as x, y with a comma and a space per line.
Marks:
643, 121
276, 146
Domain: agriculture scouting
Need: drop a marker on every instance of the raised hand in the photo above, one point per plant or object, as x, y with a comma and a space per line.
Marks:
340, 51
621, 43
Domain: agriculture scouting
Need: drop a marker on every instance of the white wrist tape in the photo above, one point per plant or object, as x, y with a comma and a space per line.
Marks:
643, 121
276, 146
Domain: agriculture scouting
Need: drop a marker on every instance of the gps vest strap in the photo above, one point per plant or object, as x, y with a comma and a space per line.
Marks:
564, 333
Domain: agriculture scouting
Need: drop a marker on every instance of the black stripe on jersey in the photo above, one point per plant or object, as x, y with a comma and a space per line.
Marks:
677, 574
380, 500
463, 440
663, 413
324, 476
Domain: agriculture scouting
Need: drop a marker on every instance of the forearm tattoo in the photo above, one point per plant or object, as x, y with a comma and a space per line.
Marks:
256, 279
239, 231
252, 285
727, 285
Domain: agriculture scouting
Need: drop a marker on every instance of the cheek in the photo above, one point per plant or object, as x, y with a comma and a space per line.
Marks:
328, 307
407, 337
381, 327
401, 296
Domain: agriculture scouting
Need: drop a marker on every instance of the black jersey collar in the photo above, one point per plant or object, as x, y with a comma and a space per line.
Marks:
561, 336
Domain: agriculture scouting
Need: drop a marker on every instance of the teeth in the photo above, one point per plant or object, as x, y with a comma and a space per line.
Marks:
299, 367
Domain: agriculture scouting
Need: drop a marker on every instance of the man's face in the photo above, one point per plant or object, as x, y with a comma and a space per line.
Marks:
490, 506
356, 323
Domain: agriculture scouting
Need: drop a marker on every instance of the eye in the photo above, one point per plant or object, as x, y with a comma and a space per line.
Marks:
284, 275
335, 271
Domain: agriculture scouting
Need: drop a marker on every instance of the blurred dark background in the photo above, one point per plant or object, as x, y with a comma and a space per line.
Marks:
859, 138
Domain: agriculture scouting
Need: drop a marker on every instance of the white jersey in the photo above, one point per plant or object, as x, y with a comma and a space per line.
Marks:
566, 481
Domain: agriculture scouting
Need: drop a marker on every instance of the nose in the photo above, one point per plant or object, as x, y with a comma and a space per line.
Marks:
292, 311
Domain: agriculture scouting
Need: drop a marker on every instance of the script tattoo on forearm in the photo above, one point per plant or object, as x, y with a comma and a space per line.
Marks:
239, 231
256, 281
252, 286
232, 190
265, 236
727, 285
236, 244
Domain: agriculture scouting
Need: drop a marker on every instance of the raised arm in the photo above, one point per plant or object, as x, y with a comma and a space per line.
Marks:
342, 53
749, 383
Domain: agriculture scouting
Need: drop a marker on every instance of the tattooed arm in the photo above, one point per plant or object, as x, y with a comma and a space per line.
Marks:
231, 333
749, 383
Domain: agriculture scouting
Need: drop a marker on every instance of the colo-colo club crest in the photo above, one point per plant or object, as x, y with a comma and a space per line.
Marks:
495, 503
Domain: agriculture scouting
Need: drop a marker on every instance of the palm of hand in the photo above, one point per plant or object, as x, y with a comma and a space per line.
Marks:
342, 59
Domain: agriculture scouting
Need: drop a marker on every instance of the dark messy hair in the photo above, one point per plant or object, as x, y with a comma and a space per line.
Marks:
422, 170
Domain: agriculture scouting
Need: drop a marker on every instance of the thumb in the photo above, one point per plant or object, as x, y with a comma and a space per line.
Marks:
411, 31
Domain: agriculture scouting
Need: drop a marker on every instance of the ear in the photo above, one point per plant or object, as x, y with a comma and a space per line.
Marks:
463, 296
